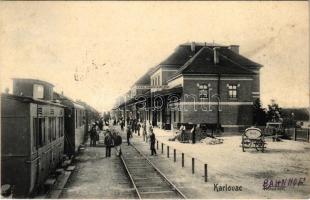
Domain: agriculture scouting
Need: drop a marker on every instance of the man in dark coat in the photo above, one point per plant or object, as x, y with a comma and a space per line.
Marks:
117, 143
152, 142
93, 135
129, 133
138, 126
108, 141
100, 124
122, 124
193, 133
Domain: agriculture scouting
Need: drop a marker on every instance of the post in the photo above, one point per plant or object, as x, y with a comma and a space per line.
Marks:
206, 172
295, 133
174, 155
167, 151
193, 165
157, 144
162, 148
308, 135
182, 159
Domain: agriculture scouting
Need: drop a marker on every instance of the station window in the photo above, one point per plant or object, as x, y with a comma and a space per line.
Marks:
174, 116
203, 91
232, 91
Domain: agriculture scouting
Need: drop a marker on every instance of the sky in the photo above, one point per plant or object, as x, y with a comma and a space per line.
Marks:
109, 45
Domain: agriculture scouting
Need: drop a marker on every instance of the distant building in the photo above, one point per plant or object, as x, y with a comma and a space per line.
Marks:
197, 83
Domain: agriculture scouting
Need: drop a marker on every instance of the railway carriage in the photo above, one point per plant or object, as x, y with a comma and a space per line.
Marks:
32, 135
75, 124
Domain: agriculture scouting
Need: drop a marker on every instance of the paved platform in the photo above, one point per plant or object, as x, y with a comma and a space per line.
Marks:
227, 164
96, 176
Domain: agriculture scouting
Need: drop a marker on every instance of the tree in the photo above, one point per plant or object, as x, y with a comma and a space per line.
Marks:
259, 114
274, 113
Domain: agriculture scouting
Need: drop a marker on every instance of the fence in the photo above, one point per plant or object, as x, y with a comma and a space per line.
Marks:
196, 166
298, 134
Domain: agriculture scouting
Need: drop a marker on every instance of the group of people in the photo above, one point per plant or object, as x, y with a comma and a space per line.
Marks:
94, 135
113, 139
147, 132
182, 136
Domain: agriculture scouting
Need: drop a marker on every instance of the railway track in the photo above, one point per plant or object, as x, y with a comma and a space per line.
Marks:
148, 181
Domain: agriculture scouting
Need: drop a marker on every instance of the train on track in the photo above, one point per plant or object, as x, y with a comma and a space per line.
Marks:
39, 127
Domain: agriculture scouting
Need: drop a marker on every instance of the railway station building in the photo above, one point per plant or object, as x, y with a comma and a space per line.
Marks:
197, 83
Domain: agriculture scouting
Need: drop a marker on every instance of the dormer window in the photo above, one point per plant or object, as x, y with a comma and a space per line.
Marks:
38, 91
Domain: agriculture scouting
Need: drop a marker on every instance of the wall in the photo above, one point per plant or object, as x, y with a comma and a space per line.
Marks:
234, 113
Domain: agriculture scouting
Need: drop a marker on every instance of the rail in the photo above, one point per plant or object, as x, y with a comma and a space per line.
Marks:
151, 165
160, 173
130, 177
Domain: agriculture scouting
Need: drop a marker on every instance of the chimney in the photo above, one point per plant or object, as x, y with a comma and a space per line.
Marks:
216, 55
193, 46
234, 48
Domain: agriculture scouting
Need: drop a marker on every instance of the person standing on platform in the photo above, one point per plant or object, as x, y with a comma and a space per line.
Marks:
152, 142
138, 126
108, 141
129, 134
118, 142
133, 126
93, 134
144, 130
149, 130
182, 129
122, 125
193, 133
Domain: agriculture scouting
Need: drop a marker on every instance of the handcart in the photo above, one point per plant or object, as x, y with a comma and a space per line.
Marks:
253, 138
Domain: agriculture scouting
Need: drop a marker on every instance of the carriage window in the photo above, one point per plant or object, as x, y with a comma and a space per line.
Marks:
55, 128
80, 120
52, 128
203, 91
232, 91
38, 132
38, 91
34, 132
42, 140
49, 129
60, 126
76, 119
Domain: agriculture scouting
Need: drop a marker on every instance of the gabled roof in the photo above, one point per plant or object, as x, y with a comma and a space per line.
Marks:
203, 63
144, 79
182, 54
239, 58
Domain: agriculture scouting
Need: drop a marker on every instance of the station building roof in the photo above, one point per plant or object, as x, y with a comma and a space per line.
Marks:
203, 63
